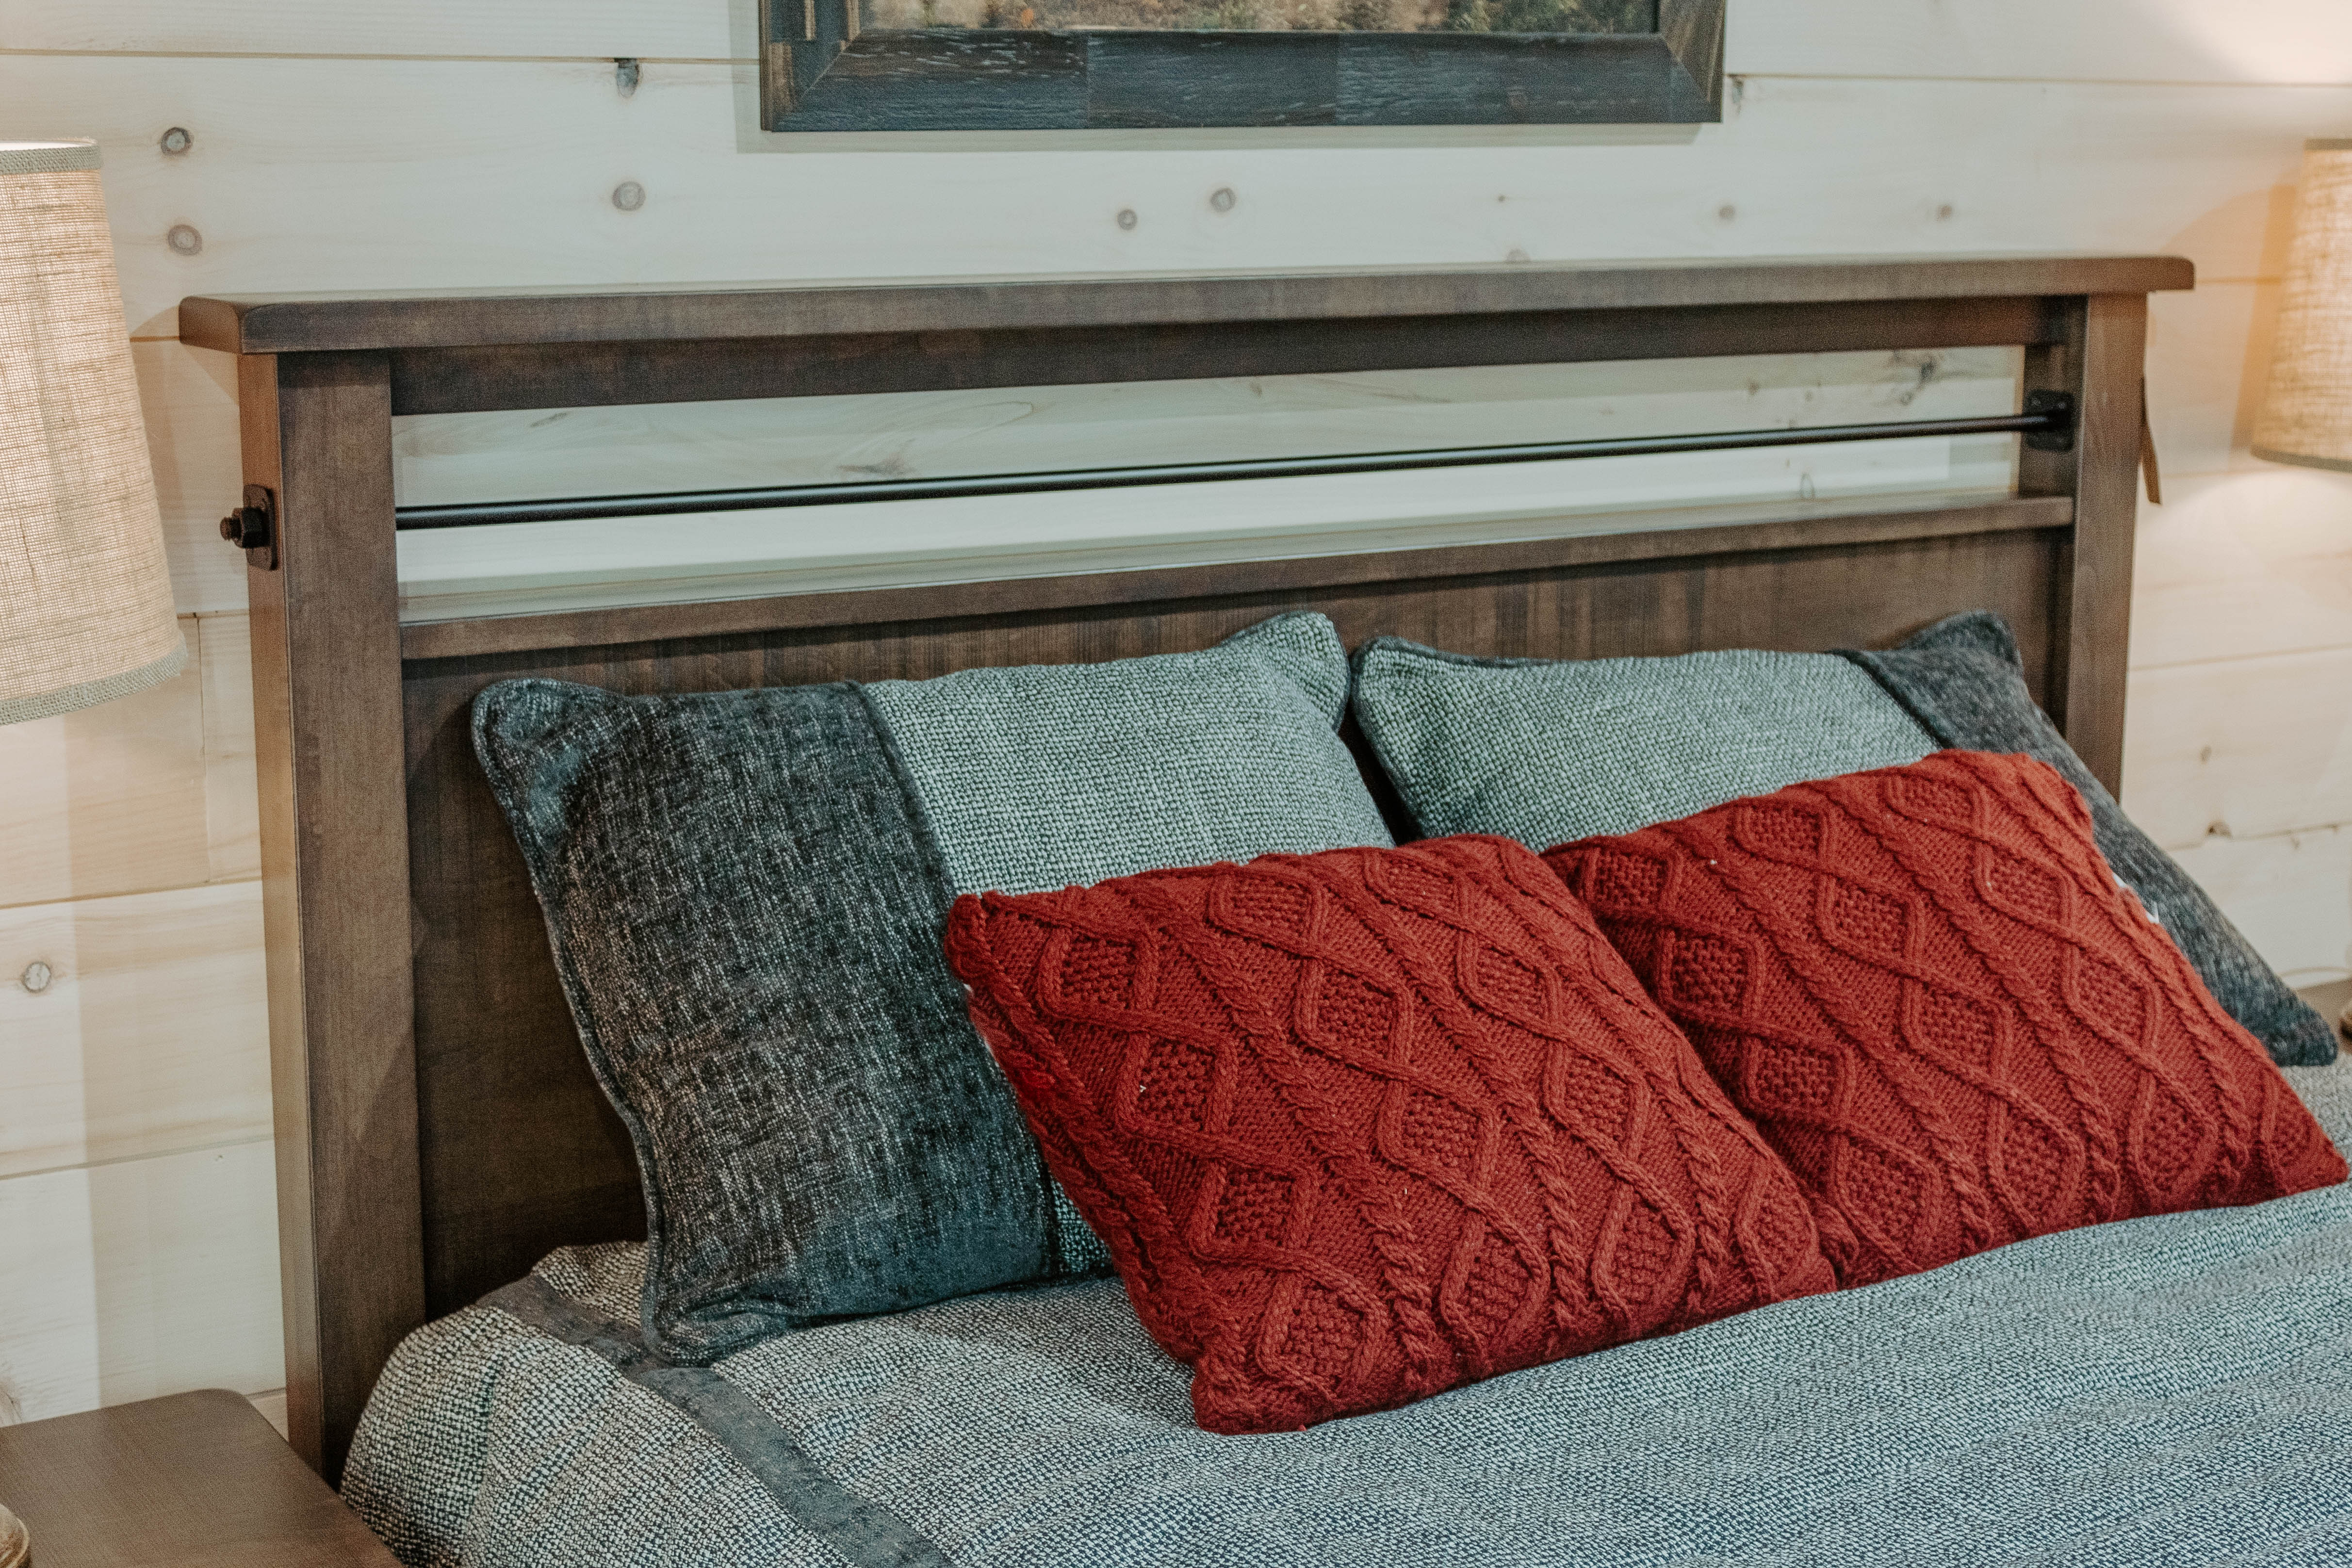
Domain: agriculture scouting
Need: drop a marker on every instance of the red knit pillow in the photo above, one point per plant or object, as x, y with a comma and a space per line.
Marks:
1927, 988
1362, 1126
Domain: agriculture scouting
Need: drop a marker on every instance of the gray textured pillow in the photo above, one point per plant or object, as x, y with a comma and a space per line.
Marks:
745, 892
1547, 751
1964, 680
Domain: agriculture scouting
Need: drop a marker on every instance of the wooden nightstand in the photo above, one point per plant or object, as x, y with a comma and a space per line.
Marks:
196, 1480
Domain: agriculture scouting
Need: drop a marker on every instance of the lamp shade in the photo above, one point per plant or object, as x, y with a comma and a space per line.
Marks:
85, 598
2307, 413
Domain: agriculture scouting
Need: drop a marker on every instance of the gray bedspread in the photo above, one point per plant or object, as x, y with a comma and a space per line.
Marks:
2163, 1391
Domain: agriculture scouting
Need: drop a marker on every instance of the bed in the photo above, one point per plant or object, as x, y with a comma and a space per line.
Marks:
460, 1207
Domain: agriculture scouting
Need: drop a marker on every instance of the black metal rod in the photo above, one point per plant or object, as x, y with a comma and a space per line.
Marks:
673, 503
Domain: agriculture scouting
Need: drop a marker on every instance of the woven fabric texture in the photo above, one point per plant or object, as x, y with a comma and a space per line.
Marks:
2088, 1400
1929, 991
1964, 680
745, 892
1362, 1126
89, 599
745, 916
1052, 775
1548, 751
1545, 751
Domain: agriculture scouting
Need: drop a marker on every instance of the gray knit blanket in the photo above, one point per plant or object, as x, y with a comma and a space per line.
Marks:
2165, 1391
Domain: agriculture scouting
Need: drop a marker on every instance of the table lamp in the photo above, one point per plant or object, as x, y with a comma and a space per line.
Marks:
2307, 415
85, 598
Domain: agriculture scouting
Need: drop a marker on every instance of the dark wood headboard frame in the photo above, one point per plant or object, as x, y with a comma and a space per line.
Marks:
438, 1130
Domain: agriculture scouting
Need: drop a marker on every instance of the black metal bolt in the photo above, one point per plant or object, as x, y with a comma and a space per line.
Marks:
248, 528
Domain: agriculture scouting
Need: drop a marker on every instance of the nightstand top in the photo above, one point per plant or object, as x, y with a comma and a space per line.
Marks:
196, 1480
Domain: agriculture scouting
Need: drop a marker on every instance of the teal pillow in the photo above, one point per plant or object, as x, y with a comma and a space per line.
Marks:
746, 892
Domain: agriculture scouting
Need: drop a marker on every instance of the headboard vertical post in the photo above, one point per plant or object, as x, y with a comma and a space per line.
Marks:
2098, 361
334, 851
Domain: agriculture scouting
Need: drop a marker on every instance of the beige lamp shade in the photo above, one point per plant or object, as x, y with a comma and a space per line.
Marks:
85, 599
2307, 413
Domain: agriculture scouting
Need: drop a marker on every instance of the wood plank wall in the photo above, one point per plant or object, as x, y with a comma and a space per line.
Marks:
427, 143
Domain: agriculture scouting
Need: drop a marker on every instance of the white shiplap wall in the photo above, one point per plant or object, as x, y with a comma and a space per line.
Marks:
439, 142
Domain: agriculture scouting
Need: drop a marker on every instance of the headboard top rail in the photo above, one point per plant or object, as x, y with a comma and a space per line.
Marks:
479, 318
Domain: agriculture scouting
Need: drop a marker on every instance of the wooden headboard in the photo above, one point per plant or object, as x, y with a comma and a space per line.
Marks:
436, 1127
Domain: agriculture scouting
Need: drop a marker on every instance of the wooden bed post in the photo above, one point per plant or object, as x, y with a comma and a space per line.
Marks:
334, 867
2098, 362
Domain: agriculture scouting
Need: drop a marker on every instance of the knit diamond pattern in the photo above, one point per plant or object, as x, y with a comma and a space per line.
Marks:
1926, 987
1362, 1126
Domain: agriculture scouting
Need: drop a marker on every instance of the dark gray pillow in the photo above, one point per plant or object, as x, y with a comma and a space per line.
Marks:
1963, 681
745, 893
1550, 751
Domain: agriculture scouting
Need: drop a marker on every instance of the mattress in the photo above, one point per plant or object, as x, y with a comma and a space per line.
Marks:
2160, 1391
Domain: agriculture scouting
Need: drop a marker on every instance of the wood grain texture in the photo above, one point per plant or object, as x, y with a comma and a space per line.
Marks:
2106, 487
536, 569
149, 1037
256, 324
507, 171
1706, 530
190, 402
139, 1278
2287, 892
148, 792
2099, 365
2244, 565
196, 1480
2249, 41
640, 448
2244, 749
580, 375
232, 803
530, 29
2208, 365
334, 858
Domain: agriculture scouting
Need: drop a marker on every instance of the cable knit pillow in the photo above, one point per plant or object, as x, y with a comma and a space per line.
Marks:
1364, 1125
1927, 988
1545, 750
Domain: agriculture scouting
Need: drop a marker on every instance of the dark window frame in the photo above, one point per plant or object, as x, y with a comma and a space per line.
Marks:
818, 73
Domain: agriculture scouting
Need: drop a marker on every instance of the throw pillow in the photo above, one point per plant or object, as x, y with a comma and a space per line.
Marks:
1963, 681
1551, 751
1926, 987
745, 892
1362, 1126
